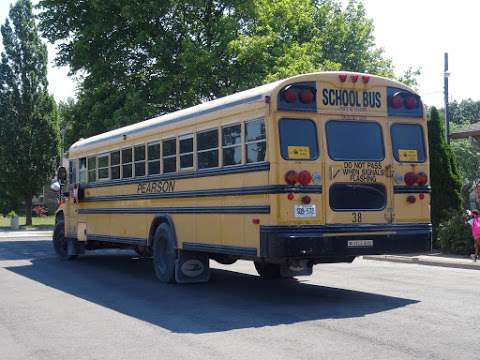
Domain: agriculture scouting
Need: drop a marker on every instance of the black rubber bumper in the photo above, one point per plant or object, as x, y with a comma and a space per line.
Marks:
331, 241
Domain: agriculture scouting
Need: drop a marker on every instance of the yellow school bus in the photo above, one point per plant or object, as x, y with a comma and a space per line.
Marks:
316, 168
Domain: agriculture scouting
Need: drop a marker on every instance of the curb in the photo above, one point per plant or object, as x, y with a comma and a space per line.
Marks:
423, 261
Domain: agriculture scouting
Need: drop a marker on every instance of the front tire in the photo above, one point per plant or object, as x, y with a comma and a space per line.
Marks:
164, 254
60, 243
268, 271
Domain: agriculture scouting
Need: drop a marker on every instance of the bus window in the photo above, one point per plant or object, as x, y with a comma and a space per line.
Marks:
407, 139
186, 151
169, 155
255, 142
115, 165
103, 165
153, 153
92, 169
82, 171
207, 149
139, 157
298, 139
127, 163
354, 140
232, 145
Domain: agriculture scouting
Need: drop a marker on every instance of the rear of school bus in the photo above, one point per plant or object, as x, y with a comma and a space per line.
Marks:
353, 150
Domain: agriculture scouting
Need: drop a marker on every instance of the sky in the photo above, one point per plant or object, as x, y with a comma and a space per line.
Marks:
413, 33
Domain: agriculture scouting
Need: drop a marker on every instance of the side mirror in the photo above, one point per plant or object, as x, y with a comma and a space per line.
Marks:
55, 186
62, 174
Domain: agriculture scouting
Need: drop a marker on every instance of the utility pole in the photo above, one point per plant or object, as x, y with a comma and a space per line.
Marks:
445, 91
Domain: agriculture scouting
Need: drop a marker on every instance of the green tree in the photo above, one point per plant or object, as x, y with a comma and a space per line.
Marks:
467, 156
445, 180
465, 111
156, 57
29, 134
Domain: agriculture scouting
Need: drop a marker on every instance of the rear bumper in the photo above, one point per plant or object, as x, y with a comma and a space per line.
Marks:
331, 241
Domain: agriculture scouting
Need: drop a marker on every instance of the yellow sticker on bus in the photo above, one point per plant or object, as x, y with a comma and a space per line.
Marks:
298, 152
407, 155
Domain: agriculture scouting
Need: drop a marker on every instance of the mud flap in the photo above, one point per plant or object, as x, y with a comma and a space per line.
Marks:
75, 248
191, 267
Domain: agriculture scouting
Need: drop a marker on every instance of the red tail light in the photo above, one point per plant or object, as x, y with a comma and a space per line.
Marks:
410, 178
291, 177
306, 96
411, 102
422, 178
365, 78
342, 77
411, 199
304, 177
354, 78
397, 101
290, 96
306, 200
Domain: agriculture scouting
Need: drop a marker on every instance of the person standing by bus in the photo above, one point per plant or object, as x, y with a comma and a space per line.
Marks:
474, 222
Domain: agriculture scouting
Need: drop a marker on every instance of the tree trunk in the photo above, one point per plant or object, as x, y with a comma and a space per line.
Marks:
28, 211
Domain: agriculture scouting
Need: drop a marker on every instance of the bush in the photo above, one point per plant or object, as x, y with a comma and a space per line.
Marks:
455, 236
443, 175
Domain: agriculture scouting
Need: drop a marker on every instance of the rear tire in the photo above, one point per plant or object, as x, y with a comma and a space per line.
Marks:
268, 271
164, 254
60, 243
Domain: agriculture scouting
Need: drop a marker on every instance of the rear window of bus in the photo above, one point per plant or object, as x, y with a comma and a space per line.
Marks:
354, 140
298, 139
407, 142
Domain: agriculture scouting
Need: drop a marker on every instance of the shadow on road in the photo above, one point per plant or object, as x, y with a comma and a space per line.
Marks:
229, 301
25, 249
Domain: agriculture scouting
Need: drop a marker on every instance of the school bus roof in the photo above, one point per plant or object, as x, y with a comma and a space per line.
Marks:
240, 98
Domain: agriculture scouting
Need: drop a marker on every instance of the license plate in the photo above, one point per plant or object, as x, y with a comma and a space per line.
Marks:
305, 211
360, 243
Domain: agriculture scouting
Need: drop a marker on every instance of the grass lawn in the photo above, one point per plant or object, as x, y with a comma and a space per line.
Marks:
40, 223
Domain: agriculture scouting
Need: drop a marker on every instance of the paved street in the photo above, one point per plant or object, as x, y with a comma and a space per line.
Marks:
109, 306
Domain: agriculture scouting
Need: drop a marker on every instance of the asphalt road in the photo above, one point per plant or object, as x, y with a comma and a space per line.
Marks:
109, 306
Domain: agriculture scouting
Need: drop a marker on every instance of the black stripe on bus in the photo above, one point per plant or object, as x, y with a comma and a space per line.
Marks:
251, 190
175, 120
117, 239
220, 249
405, 189
264, 166
347, 228
180, 210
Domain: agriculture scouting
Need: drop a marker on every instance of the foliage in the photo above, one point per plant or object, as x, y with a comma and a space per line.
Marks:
156, 57
454, 235
464, 112
29, 135
409, 77
443, 172
8, 201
